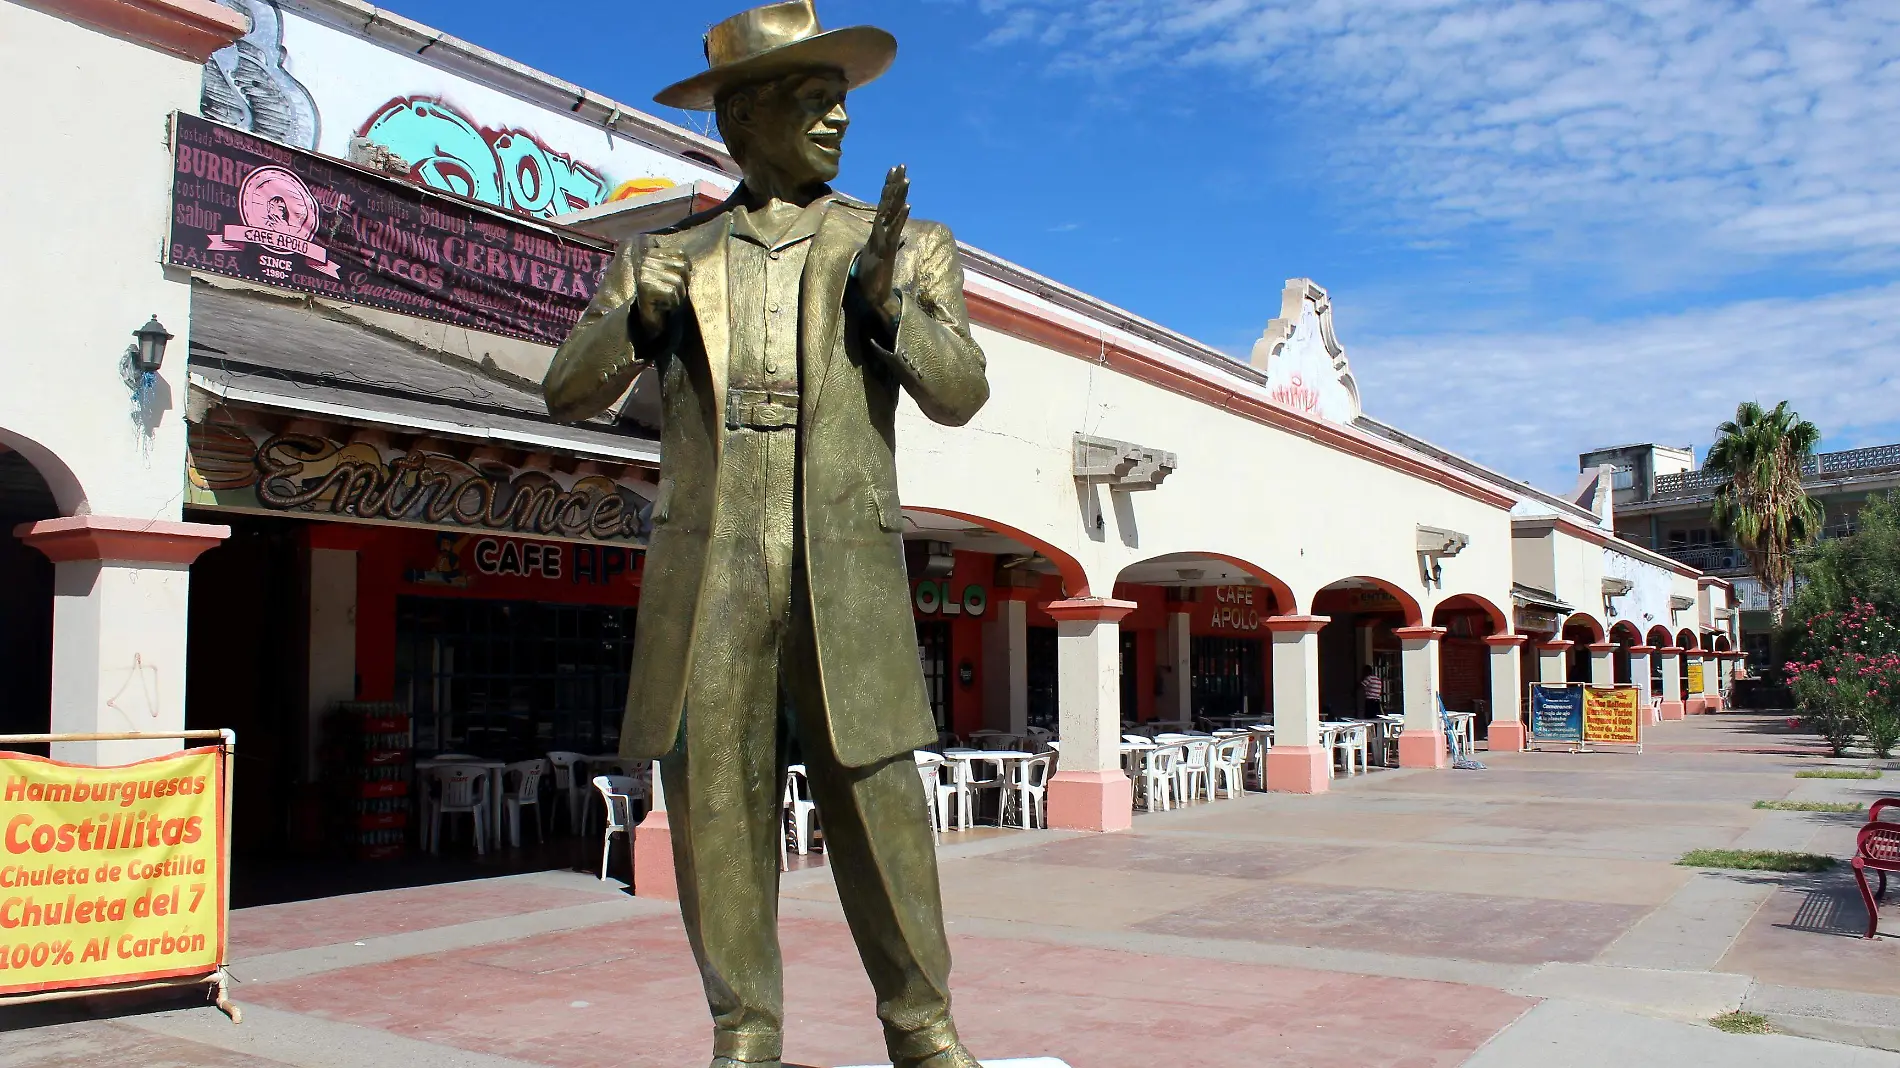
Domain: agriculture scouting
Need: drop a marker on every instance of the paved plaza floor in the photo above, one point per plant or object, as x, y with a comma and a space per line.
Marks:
1527, 915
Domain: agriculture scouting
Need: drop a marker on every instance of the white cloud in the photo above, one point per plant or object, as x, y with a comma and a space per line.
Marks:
1528, 403
1760, 128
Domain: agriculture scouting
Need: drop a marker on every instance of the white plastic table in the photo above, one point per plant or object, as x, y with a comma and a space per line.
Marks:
963, 758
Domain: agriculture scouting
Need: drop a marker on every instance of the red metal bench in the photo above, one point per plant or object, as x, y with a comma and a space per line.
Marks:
1876, 850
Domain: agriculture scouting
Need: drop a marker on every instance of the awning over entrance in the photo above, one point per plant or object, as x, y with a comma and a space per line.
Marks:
282, 353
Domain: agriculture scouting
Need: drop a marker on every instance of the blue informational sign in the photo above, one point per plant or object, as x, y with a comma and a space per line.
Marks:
1557, 713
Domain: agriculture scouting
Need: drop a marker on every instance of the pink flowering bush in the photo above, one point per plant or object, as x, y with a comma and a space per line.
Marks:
1846, 678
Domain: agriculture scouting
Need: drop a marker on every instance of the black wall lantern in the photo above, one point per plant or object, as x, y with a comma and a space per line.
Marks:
966, 673
149, 354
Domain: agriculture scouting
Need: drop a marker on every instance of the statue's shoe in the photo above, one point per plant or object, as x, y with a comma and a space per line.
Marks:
728, 1062
954, 1057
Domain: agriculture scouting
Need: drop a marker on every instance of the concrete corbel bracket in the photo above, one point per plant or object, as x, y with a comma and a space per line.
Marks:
1122, 466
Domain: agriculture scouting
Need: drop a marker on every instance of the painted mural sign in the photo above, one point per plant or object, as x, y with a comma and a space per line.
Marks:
314, 85
1557, 712
249, 470
248, 208
1695, 679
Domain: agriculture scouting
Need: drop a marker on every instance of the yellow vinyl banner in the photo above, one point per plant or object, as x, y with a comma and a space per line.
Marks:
1695, 679
110, 875
1611, 715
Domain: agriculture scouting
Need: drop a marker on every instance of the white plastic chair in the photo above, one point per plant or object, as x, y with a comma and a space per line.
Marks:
1192, 771
1158, 776
616, 793
1349, 749
567, 780
1032, 790
526, 790
464, 791
1262, 744
1227, 766
938, 794
799, 807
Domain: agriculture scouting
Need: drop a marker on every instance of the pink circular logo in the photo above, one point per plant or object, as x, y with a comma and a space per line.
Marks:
274, 199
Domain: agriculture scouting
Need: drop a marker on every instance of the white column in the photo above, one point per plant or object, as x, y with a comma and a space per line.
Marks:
121, 592
1422, 745
1507, 733
1089, 791
1551, 664
1640, 674
1006, 668
331, 652
1602, 664
1174, 659
1672, 683
1296, 763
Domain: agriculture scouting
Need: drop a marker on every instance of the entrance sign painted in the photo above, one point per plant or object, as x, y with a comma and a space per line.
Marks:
111, 875
1557, 712
245, 469
1611, 716
249, 208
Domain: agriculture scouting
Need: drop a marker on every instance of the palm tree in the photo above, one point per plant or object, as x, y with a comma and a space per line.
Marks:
1762, 506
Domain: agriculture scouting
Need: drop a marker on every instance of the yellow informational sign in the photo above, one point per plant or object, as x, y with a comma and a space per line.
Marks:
1695, 679
111, 875
1611, 715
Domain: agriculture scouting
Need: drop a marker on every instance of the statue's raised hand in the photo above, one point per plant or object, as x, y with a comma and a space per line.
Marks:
877, 264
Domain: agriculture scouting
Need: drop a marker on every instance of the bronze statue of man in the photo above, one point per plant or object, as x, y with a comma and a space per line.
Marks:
783, 325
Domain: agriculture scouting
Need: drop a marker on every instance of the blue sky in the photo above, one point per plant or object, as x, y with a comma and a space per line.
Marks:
1546, 226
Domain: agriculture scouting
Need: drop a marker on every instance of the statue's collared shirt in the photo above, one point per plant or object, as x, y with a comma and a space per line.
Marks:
764, 279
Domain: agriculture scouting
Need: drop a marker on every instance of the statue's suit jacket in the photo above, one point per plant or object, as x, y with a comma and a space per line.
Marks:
851, 520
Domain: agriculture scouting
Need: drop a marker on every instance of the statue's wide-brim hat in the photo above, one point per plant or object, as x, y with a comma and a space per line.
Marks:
775, 40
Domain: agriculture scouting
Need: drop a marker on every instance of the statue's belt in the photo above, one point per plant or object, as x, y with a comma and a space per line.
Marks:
760, 409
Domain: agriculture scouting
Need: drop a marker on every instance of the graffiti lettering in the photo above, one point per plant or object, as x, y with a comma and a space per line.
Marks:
507, 168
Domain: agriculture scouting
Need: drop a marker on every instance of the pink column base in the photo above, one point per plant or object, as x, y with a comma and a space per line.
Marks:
653, 858
1695, 706
1506, 736
1422, 749
1715, 703
1671, 710
1091, 801
1299, 769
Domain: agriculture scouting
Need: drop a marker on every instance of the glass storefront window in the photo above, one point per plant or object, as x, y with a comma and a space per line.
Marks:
1229, 678
512, 679
933, 652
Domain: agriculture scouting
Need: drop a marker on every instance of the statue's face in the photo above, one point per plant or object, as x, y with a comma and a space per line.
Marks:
794, 126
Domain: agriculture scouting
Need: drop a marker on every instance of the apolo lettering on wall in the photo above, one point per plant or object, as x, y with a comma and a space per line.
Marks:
935, 597
1235, 608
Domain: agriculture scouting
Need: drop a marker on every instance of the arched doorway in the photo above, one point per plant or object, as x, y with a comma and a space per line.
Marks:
26, 600
1658, 638
1582, 631
1625, 636
1197, 647
988, 650
1360, 639
1464, 659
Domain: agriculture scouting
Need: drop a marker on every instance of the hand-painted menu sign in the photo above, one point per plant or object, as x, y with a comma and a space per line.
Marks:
250, 208
245, 469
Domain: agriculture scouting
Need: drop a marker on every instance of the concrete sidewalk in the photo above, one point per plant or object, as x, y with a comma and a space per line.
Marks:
1529, 914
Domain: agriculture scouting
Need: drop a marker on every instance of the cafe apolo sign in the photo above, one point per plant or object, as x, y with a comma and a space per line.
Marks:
935, 597
1236, 608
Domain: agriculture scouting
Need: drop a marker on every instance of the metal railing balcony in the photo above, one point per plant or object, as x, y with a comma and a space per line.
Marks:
1825, 466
